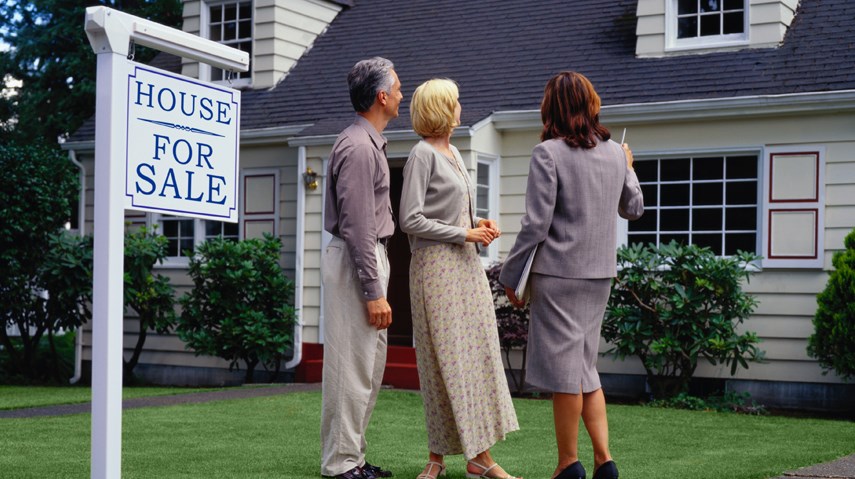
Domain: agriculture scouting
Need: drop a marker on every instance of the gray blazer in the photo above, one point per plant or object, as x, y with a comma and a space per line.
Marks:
432, 193
570, 204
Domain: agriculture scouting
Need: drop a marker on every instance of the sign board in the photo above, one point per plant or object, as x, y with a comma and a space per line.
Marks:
181, 146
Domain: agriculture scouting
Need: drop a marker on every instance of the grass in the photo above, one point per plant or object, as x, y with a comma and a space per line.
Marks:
278, 436
17, 397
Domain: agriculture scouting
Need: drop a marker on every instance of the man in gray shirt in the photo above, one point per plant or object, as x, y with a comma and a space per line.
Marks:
355, 271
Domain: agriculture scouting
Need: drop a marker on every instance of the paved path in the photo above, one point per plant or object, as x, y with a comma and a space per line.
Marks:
187, 398
843, 468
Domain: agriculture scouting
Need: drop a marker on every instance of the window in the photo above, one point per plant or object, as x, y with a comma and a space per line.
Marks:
709, 201
230, 23
486, 201
707, 23
259, 214
183, 234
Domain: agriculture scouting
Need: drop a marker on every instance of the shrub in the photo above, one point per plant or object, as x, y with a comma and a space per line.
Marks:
150, 295
241, 306
513, 326
727, 402
46, 273
54, 300
673, 305
833, 340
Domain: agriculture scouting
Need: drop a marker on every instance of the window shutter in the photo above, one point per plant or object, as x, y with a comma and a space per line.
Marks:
260, 203
794, 206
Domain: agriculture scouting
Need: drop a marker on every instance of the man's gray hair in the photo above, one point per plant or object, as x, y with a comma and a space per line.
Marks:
368, 78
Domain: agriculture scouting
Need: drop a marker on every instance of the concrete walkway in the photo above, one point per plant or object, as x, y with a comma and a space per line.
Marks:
843, 468
171, 400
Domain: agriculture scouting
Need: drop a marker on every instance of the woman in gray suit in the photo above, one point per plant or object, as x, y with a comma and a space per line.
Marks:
578, 179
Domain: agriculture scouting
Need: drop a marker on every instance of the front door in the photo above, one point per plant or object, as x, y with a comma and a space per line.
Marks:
401, 330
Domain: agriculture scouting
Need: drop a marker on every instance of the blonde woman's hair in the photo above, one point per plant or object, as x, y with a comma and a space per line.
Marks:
432, 108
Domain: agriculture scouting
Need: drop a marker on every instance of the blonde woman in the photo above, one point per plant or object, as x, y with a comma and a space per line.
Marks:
467, 404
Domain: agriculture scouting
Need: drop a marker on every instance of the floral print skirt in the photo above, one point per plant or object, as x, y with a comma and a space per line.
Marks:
467, 404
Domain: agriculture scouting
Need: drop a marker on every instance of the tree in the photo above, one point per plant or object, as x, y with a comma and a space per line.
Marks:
241, 304
150, 295
51, 57
833, 340
46, 273
672, 305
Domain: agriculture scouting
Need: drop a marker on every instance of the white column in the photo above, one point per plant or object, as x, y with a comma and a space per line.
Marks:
108, 282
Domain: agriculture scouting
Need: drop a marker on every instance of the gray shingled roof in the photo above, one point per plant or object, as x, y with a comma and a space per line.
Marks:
501, 52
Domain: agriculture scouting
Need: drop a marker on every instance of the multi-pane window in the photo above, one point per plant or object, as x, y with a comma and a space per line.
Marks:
180, 233
705, 18
219, 229
484, 202
183, 234
709, 201
230, 23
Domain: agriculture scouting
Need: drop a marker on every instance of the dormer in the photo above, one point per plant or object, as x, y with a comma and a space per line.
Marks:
681, 27
275, 33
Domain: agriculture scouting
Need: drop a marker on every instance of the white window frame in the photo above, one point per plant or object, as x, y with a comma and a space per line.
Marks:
760, 205
198, 238
492, 161
204, 32
674, 44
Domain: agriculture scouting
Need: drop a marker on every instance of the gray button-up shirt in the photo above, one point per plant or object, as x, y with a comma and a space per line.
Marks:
358, 209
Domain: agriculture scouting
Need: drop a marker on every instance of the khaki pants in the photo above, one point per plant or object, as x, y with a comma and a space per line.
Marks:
354, 360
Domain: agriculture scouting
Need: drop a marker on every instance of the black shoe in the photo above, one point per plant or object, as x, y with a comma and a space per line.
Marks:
607, 470
355, 473
372, 472
573, 471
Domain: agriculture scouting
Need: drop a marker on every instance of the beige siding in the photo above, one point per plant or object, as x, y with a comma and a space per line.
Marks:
168, 349
787, 297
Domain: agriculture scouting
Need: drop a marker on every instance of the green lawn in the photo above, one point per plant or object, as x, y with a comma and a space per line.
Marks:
278, 436
16, 397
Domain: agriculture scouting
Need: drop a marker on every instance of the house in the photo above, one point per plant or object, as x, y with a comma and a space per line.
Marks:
740, 114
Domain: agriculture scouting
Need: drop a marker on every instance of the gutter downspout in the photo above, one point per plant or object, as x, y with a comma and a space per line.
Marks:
81, 229
298, 259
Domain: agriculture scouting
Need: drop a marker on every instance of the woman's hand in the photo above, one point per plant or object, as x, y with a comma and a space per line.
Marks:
485, 233
512, 297
481, 234
628, 155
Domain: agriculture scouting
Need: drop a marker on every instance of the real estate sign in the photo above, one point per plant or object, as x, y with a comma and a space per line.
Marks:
182, 145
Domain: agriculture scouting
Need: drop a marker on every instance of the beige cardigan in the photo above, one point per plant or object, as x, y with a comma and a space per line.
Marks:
431, 196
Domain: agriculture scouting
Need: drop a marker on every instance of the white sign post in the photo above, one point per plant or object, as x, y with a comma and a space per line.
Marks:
171, 173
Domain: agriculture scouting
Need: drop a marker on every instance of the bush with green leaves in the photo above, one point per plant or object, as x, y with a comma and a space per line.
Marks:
673, 305
833, 340
149, 294
513, 326
241, 304
46, 279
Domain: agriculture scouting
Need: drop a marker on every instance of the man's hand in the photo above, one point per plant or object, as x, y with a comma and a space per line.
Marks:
379, 313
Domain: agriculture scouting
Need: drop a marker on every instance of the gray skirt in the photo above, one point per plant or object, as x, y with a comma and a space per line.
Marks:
564, 333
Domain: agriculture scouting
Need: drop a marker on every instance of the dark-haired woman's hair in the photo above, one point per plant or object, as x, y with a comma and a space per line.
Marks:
570, 110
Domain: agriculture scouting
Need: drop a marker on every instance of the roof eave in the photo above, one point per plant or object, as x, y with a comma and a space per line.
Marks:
706, 109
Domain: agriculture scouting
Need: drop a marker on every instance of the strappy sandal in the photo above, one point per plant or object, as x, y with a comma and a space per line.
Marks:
429, 474
484, 471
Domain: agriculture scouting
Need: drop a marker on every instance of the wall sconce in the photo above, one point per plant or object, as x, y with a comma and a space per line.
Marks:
310, 179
